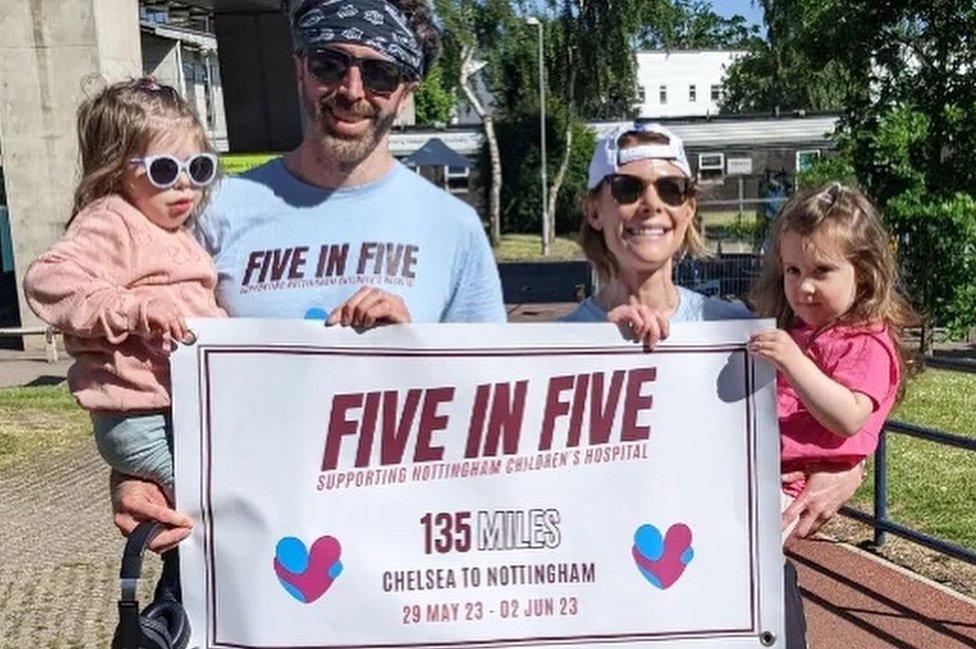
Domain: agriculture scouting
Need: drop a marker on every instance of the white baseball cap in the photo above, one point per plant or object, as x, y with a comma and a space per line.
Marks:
608, 156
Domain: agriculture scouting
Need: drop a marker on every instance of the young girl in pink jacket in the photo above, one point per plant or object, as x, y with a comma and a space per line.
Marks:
120, 282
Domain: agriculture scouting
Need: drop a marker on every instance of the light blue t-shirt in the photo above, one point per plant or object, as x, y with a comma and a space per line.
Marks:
692, 307
287, 249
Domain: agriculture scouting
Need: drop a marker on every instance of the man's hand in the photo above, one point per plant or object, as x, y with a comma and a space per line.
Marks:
368, 307
135, 500
826, 491
641, 322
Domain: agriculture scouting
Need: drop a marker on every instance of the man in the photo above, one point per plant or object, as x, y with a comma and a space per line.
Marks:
337, 226
337, 229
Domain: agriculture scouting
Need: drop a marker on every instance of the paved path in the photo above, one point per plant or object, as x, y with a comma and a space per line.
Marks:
30, 368
856, 601
59, 553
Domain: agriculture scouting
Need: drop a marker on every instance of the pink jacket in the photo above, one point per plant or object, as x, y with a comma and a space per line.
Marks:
95, 284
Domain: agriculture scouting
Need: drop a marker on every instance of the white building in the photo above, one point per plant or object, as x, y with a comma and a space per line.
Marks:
682, 83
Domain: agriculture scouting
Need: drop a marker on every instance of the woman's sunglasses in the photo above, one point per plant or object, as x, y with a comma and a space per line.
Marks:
379, 75
164, 170
627, 189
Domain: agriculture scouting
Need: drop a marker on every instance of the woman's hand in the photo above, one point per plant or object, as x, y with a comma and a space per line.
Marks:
825, 492
135, 500
368, 307
640, 321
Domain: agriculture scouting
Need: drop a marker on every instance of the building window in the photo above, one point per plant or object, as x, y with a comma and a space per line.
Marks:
711, 166
159, 15
641, 94
664, 94
716, 93
456, 179
692, 93
806, 158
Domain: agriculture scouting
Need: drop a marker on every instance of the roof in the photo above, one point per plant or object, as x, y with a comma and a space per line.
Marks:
723, 131
434, 153
751, 132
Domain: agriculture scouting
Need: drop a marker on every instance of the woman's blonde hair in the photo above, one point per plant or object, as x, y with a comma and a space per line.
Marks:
847, 216
118, 124
592, 241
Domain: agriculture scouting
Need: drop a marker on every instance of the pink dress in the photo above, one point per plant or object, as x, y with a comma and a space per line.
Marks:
862, 359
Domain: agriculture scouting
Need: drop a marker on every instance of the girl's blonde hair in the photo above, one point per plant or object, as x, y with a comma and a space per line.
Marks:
592, 241
118, 124
847, 216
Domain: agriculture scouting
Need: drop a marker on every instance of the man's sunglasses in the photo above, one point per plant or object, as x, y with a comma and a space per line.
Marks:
627, 189
379, 75
164, 170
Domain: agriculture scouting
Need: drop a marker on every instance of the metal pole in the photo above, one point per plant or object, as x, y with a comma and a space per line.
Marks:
542, 134
881, 487
741, 195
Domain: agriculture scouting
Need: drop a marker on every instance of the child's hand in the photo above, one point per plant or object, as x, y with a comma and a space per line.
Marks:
642, 322
776, 346
164, 319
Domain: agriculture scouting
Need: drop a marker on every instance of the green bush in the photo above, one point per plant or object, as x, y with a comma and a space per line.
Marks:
831, 168
937, 238
434, 98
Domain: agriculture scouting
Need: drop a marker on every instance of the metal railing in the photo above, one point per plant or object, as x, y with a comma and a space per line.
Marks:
879, 519
726, 275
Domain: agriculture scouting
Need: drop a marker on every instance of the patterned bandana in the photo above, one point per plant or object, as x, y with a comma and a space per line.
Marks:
377, 24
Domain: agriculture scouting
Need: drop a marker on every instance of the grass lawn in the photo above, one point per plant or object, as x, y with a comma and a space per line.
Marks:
38, 420
932, 487
528, 247
238, 163
726, 217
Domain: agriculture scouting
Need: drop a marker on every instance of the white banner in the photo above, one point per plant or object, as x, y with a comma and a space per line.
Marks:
477, 485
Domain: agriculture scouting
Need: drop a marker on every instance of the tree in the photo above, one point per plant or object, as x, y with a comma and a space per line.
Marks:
434, 98
912, 131
792, 68
691, 24
472, 29
904, 74
594, 69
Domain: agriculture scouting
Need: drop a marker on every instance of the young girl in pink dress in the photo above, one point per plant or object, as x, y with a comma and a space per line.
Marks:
833, 287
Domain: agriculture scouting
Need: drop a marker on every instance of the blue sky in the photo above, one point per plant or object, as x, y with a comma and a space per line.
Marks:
745, 8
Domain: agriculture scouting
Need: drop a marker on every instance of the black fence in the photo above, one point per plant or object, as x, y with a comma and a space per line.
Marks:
727, 275
879, 519
545, 282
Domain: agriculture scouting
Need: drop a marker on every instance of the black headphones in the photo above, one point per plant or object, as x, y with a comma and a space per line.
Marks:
162, 624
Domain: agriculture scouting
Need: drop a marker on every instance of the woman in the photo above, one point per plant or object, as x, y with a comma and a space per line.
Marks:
638, 222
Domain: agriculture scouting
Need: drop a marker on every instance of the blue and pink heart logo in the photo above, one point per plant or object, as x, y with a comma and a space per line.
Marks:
662, 561
307, 574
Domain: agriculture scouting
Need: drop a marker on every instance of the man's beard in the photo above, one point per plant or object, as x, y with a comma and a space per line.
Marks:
349, 150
